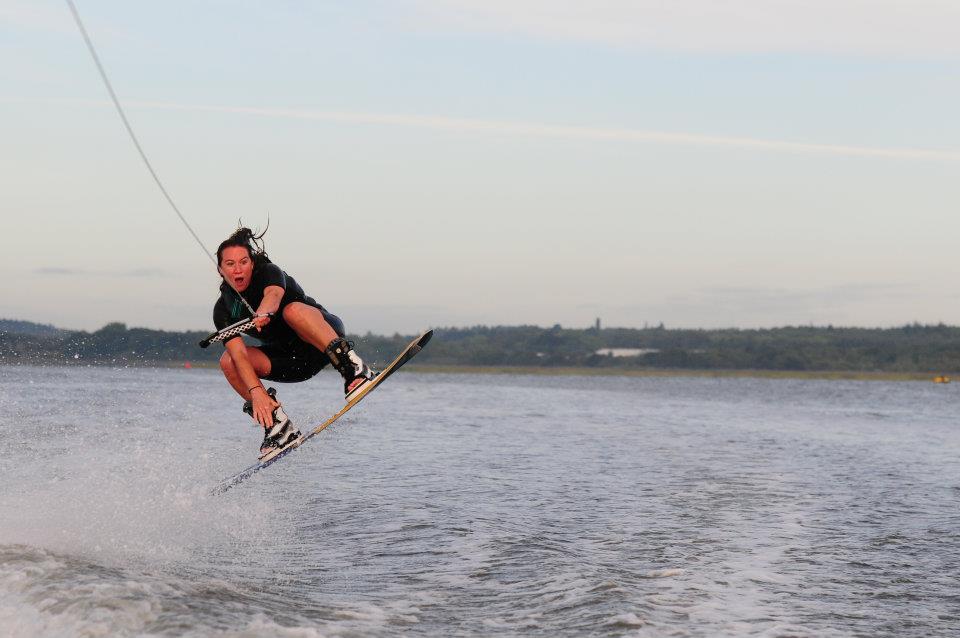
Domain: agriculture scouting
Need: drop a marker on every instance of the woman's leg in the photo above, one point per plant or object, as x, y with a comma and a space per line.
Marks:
259, 361
313, 328
309, 324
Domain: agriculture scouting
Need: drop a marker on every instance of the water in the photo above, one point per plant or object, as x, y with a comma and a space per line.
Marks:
458, 505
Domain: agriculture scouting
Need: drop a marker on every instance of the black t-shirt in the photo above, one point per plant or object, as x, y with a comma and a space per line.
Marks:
229, 309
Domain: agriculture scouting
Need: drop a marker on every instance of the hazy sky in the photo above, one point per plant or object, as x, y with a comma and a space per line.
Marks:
460, 162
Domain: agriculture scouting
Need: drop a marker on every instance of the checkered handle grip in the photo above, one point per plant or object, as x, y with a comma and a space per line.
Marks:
232, 330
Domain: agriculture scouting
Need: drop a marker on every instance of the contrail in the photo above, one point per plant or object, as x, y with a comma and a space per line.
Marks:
547, 130
568, 132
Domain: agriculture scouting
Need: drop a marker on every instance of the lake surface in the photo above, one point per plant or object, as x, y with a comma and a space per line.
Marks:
460, 505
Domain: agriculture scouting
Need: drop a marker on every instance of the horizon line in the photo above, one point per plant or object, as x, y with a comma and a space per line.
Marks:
649, 326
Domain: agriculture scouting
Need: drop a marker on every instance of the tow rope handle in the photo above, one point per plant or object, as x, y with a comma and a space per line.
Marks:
244, 325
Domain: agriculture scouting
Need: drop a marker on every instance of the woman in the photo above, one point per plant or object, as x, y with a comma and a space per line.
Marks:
298, 340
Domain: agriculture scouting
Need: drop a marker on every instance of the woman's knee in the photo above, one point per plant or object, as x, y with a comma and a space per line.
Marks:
295, 313
335, 322
226, 363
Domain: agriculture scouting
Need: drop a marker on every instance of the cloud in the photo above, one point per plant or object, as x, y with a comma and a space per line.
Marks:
145, 273
594, 133
56, 270
887, 28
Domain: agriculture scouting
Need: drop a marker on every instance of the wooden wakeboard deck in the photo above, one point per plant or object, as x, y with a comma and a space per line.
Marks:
408, 353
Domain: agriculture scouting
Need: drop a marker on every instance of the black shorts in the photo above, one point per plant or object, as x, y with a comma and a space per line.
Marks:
292, 362
297, 360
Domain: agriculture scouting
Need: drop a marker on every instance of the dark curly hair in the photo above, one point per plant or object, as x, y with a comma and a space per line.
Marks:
243, 237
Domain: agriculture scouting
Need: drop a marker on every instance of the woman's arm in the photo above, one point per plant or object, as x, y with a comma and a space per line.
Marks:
263, 404
272, 295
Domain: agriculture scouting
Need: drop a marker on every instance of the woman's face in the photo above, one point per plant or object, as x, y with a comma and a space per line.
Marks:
236, 267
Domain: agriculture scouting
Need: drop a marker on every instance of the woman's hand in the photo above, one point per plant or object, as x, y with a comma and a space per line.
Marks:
260, 321
272, 296
263, 406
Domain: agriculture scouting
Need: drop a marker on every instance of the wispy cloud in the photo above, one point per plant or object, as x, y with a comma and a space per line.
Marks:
919, 28
143, 273
595, 133
56, 270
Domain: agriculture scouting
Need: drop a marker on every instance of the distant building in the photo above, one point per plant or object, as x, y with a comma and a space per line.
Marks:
626, 352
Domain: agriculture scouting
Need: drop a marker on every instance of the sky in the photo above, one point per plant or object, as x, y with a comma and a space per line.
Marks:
431, 163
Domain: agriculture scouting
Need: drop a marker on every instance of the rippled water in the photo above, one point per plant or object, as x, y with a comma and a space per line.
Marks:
493, 505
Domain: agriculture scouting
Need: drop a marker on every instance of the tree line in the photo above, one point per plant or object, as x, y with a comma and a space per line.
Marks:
909, 348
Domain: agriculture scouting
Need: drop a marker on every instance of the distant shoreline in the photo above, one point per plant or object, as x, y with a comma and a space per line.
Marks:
837, 375
913, 352
840, 375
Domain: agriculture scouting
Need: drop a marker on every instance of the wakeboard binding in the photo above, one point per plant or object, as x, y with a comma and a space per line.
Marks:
351, 367
281, 434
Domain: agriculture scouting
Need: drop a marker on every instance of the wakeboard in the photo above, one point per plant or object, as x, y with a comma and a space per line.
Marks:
408, 353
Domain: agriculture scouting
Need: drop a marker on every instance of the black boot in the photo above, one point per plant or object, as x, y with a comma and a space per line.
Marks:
281, 433
351, 367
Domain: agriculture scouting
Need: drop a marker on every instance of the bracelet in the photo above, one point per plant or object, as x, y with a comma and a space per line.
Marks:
254, 388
